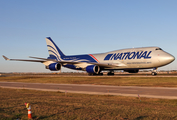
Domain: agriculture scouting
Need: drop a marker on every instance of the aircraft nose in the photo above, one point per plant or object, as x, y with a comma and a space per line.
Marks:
171, 58
167, 58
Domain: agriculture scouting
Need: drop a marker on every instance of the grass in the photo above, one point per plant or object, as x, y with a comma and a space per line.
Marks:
55, 106
118, 81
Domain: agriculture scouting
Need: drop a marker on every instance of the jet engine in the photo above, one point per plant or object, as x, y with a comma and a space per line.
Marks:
93, 69
132, 71
54, 66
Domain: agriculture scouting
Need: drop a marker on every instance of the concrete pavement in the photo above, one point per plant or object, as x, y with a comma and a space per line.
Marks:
149, 92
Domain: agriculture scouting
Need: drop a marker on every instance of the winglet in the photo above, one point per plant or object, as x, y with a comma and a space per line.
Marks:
5, 57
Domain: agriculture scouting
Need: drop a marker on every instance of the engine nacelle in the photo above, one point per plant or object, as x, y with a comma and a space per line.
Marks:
54, 66
93, 69
132, 71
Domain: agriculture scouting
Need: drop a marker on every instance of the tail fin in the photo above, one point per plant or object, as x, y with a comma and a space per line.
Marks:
54, 51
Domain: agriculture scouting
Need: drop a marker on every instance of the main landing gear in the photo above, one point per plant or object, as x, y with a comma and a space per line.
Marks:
94, 74
154, 72
110, 73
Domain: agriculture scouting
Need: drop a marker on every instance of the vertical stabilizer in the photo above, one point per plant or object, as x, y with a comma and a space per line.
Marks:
54, 51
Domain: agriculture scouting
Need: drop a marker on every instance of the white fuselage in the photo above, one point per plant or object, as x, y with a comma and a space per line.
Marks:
140, 58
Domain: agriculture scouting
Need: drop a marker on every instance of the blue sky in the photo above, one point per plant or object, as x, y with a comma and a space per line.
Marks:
83, 27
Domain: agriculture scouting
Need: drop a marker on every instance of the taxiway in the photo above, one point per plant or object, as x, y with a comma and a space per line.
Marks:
134, 91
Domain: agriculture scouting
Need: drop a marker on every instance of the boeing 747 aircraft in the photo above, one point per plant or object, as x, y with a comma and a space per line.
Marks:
130, 60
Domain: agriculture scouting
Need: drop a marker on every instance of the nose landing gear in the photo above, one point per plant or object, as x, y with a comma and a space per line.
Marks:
154, 72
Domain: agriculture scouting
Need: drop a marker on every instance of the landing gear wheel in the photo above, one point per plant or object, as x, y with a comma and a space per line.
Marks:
153, 73
110, 73
90, 74
94, 74
100, 73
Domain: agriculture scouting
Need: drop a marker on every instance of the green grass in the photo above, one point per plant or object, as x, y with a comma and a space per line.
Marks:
118, 81
55, 106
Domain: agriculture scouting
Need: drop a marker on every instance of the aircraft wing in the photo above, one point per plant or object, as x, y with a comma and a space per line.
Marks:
42, 60
23, 60
107, 65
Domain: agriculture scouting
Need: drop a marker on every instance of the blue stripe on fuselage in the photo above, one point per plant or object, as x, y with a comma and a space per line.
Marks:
79, 58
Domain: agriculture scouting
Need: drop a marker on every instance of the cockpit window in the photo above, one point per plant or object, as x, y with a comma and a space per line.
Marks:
158, 49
